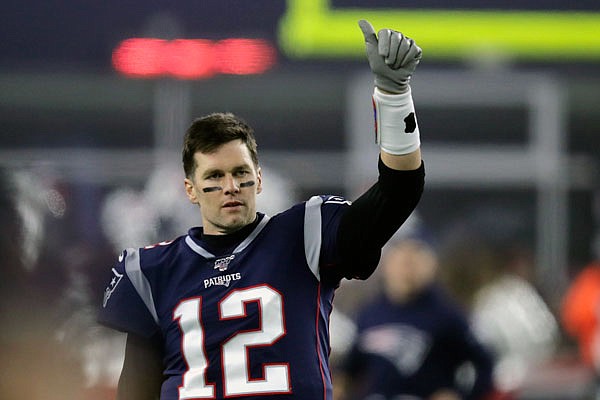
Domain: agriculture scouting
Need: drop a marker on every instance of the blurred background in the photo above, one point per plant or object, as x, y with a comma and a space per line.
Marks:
95, 97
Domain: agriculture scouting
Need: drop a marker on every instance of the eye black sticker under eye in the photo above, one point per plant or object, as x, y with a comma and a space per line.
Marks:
247, 184
212, 189
217, 188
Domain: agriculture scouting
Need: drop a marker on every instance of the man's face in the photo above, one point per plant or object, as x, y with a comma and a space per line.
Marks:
224, 185
407, 269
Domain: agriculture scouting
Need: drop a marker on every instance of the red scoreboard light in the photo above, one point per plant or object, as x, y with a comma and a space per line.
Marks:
192, 58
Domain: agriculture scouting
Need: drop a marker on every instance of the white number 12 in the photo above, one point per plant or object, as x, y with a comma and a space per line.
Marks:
236, 377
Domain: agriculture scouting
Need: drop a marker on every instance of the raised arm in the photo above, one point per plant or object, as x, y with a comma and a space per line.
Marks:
376, 215
393, 58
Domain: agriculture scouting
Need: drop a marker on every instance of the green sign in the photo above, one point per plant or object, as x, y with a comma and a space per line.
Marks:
312, 29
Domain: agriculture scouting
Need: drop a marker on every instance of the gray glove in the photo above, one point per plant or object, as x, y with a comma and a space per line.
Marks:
393, 58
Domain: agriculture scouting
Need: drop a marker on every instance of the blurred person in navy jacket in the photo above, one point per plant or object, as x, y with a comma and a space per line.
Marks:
413, 342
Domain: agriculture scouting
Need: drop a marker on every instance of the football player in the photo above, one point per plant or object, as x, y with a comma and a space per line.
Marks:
239, 307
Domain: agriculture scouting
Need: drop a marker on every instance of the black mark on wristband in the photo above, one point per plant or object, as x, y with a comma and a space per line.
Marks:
410, 122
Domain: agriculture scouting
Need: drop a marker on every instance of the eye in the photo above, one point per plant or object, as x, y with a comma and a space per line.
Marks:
213, 175
241, 173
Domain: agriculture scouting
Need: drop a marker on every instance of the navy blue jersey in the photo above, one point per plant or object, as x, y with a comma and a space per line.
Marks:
415, 349
250, 322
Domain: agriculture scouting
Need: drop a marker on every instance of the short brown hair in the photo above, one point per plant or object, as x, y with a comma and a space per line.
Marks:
208, 133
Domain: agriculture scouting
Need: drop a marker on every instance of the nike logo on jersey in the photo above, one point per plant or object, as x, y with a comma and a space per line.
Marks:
223, 280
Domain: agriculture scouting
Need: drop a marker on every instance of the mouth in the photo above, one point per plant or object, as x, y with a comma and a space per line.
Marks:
233, 204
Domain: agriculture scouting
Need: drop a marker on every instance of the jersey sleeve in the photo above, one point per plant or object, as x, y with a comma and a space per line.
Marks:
331, 214
124, 308
321, 222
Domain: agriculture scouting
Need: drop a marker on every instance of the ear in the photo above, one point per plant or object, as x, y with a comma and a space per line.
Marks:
258, 180
190, 190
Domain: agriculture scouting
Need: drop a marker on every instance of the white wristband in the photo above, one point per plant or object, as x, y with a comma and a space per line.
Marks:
396, 128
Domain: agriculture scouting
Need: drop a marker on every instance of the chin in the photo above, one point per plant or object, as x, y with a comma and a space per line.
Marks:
235, 225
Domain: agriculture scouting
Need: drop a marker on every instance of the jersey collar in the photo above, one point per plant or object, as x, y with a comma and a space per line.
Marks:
196, 245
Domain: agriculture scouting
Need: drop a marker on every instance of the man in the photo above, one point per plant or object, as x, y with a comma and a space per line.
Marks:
412, 339
240, 306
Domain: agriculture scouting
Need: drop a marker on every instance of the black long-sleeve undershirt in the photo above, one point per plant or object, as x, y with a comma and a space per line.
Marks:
142, 374
373, 218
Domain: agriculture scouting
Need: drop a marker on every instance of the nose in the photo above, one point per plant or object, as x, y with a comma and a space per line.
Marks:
230, 185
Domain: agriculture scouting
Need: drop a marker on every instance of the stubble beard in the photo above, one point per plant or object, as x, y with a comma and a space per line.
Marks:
227, 225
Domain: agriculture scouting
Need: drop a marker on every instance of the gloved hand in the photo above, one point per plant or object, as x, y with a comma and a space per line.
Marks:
392, 58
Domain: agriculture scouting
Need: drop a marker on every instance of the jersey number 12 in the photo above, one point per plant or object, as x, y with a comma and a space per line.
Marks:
236, 377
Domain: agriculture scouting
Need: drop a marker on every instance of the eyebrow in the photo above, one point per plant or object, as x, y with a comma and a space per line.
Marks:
237, 168
212, 171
